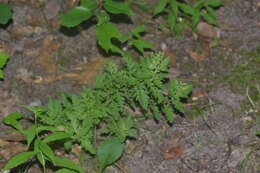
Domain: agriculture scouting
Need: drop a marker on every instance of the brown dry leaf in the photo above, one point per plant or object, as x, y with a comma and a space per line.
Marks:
87, 74
199, 94
45, 58
173, 151
172, 56
197, 56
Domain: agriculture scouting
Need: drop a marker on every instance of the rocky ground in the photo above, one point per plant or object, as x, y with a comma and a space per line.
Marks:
216, 135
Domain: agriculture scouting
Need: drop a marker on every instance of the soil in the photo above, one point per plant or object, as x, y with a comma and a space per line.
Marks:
217, 132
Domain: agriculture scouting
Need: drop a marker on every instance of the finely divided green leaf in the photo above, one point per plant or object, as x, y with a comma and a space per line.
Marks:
75, 16
168, 113
19, 159
109, 151
160, 7
6, 13
117, 7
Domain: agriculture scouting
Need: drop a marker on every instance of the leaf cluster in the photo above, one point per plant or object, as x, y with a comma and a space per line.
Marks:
181, 13
98, 119
108, 35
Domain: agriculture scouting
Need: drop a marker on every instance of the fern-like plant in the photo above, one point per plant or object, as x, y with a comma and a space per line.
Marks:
99, 117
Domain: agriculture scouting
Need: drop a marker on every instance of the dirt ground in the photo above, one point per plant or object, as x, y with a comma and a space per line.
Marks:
217, 132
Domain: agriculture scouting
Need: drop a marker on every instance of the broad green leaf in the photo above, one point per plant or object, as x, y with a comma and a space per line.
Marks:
115, 7
160, 7
199, 4
65, 171
195, 19
171, 20
46, 150
90, 4
19, 159
75, 16
6, 13
66, 163
141, 45
109, 151
174, 7
40, 157
136, 31
209, 19
30, 134
11, 120
56, 136
214, 3
212, 13
105, 33
3, 58
46, 128
186, 8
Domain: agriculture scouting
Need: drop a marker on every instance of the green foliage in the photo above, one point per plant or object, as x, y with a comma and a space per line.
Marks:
103, 110
3, 60
38, 147
108, 152
6, 13
180, 13
108, 36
